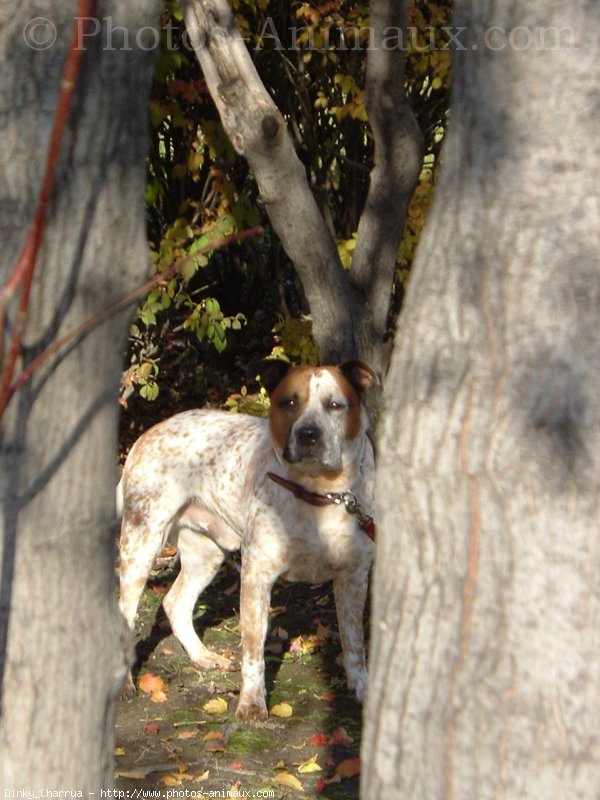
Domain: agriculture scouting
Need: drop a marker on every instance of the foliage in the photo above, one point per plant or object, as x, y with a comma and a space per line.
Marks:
227, 306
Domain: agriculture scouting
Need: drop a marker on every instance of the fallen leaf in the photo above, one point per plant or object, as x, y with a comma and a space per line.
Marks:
299, 746
341, 737
235, 765
215, 742
215, 747
310, 765
282, 710
323, 633
150, 683
333, 779
171, 780
304, 644
154, 686
287, 779
211, 735
187, 735
348, 768
328, 697
152, 727
119, 751
217, 705
134, 774
319, 739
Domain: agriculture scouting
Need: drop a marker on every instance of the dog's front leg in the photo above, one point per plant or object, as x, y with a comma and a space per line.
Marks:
255, 598
350, 590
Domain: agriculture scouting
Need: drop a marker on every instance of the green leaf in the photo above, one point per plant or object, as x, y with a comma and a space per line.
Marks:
149, 391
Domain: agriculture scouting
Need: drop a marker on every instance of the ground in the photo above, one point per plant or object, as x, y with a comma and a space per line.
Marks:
180, 731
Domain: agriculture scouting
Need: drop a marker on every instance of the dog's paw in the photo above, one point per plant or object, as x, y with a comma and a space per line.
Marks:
128, 689
249, 710
210, 660
358, 684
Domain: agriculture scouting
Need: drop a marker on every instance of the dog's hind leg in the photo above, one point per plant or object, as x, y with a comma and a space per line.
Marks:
137, 551
200, 561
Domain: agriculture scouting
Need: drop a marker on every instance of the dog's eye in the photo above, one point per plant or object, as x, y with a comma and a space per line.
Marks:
335, 405
288, 404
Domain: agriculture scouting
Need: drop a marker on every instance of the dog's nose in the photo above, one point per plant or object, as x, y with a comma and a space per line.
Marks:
308, 435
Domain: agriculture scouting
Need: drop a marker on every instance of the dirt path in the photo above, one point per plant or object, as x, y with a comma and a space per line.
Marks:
180, 736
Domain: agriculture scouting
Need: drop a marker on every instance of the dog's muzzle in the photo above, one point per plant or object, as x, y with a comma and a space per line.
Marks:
309, 443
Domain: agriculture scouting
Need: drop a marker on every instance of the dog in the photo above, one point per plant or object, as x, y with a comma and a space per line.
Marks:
294, 492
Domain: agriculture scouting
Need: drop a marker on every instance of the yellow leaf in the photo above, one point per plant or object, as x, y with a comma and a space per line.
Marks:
119, 751
310, 765
287, 779
216, 706
171, 780
282, 710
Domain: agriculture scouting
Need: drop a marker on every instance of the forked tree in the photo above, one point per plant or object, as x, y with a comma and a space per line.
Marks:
349, 308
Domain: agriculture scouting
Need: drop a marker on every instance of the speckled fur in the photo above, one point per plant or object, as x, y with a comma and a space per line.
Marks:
201, 476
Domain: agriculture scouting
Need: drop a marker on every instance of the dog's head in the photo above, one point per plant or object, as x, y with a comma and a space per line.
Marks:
317, 415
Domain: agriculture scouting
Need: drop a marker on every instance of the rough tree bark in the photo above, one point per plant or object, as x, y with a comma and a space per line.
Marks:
61, 658
485, 651
349, 313
398, 160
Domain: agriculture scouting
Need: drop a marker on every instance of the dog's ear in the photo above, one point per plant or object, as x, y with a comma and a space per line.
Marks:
360, 375
268, 371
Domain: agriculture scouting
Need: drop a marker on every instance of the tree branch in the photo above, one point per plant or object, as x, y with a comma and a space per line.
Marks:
257, 131
398, 159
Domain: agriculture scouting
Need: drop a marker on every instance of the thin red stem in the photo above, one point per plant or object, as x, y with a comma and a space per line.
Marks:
23, 273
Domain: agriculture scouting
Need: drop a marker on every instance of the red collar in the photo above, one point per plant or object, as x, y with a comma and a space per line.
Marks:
347, 499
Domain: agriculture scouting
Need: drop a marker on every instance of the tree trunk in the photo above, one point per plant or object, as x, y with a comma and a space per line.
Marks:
349, 313
485, 651
398, 160
61, 655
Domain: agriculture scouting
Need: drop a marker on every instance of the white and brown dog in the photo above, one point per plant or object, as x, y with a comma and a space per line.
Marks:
292, 492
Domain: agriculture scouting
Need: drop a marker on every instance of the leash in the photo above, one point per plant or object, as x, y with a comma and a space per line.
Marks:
347, 499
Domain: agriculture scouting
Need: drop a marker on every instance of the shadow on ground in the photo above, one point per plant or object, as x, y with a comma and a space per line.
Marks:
183, 734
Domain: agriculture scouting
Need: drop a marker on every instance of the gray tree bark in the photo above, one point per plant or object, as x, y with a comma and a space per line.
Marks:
61, 656
398, 160
485, 650
349, 312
